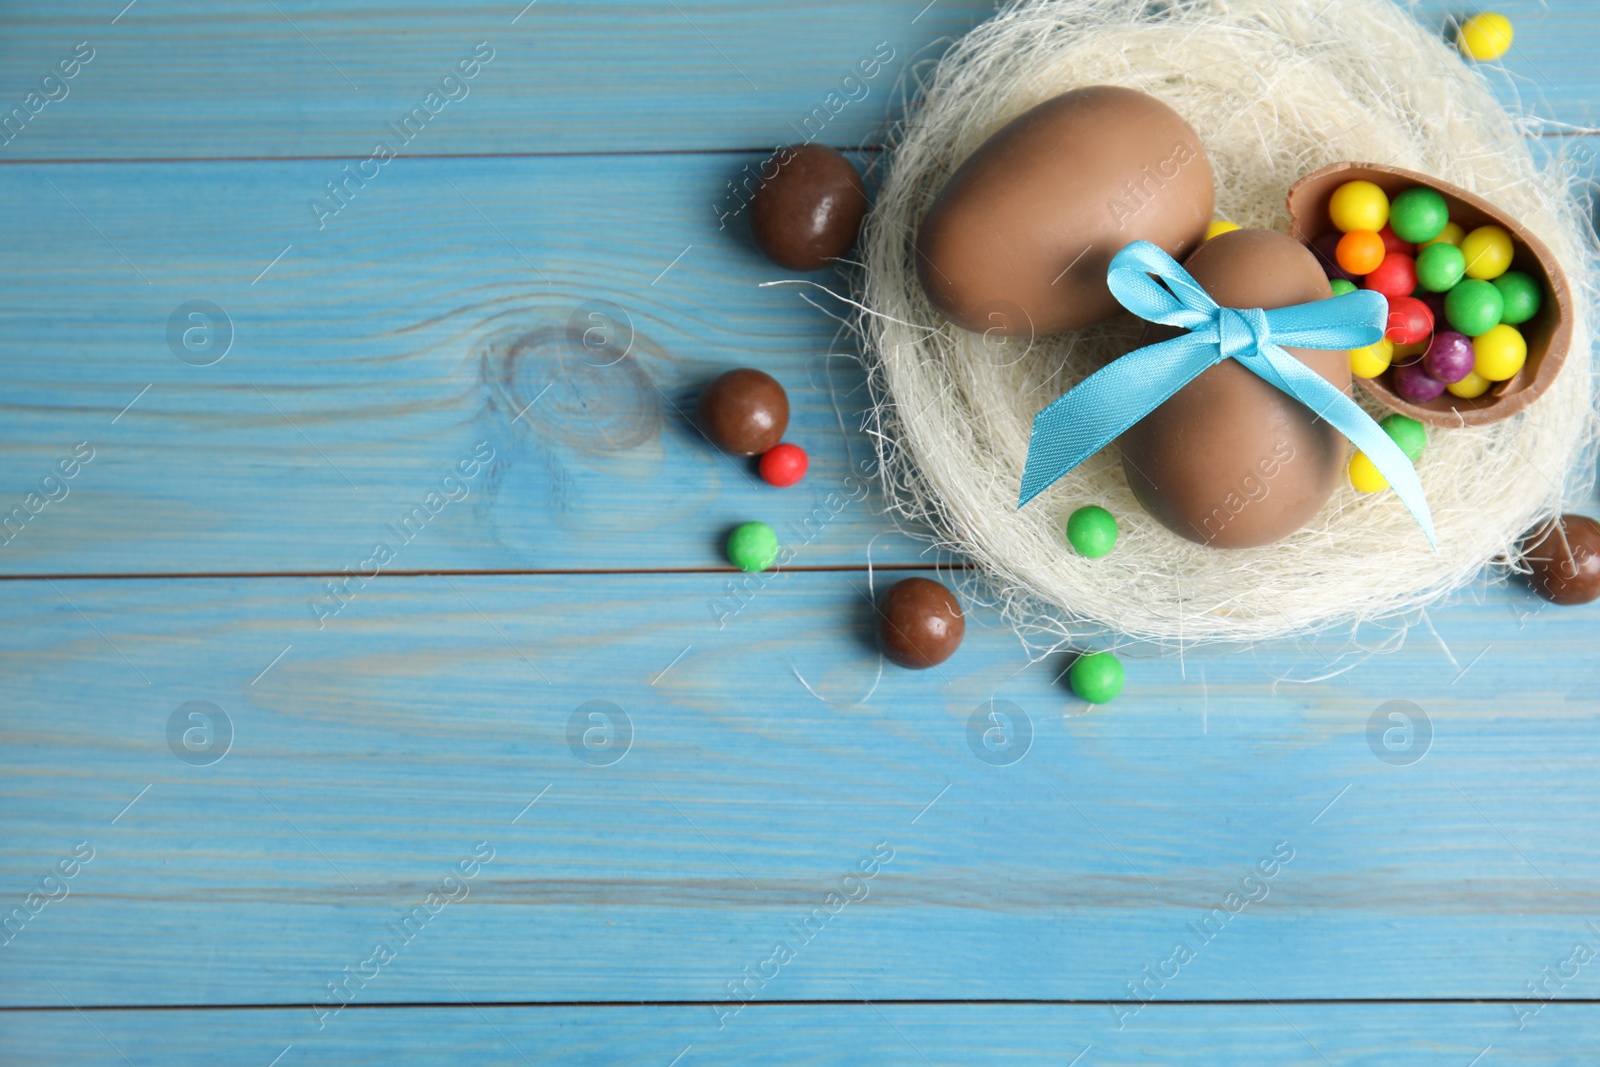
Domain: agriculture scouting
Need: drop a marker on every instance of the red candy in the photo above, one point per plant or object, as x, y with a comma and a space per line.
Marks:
1392, 242
784, 465
1410, 321
1395, 276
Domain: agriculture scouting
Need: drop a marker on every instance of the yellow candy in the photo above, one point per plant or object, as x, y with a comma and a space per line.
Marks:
1405, 352
1220, 226
1373, 360
1500, 353
1470, 386
1359, 205
1485, 36
1364, 476
1450, 235
1488, 252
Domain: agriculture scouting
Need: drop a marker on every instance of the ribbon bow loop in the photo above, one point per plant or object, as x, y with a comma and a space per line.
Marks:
1101, 407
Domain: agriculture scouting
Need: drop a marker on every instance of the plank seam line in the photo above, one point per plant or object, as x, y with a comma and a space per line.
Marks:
822, 568
764, 150
736, 151
905, 1001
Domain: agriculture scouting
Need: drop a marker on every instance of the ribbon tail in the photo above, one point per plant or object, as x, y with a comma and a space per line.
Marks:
1346, 416
1103, 405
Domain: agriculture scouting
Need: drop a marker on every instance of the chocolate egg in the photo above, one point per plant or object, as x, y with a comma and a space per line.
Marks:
1020, 237
809, 212
1230, 460
744, 412
919, 623
1565, 559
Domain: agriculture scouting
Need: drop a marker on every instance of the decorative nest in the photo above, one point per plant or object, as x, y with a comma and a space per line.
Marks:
1275, 89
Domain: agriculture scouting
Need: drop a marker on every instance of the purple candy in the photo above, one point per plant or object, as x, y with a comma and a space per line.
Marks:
1323, 248
1414, 384
1449, 358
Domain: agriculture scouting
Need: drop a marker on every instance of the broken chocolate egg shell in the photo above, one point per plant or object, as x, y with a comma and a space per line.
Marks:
1549, 333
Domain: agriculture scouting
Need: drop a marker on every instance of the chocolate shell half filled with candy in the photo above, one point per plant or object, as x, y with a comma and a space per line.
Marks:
1546, 335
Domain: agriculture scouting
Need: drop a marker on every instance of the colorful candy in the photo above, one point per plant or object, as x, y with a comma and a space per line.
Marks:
1359, 205
1500, 352
1373, 360
1408, 433
1469, 387
1488, 251
1326, 249
1410, 321
1450, 357
1520, 295
1360, 251
753, 546
1092, 530
1097, 677
1440, 267
1434, 276
1450, 235
1364, 476
1395, 276
1393, 242
784, 465
1473, 307
1485, 36
1419, 214
1220, 226
1415, 384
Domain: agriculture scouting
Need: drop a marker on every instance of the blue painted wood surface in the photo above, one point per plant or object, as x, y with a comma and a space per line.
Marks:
897, 1035
372, 748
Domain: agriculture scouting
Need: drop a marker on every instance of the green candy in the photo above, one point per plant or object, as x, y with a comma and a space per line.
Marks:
1440, 266
752, 546
1408, 433
1473, 307
1418, 214
1092, 531
1097, 677
1341, 286
1521, 296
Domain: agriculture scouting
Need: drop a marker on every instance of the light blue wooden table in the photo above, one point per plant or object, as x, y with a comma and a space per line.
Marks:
259, 811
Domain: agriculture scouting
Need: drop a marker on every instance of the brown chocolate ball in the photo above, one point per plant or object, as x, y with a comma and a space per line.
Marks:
744, 412
809, 207
1565, 557
919, 623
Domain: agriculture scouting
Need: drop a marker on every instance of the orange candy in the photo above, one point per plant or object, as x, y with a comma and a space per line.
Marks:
1360, 251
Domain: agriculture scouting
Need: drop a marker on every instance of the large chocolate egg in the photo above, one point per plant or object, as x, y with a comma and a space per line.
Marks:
1229, 460
1019, 238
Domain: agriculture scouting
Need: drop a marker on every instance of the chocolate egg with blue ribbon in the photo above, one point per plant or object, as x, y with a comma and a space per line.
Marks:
1230, 460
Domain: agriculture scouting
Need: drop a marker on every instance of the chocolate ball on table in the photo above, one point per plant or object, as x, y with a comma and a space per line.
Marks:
744, 412
1565, 557
920, 624
809, 212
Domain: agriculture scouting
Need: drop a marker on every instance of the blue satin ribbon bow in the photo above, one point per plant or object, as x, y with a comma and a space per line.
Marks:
1103, 405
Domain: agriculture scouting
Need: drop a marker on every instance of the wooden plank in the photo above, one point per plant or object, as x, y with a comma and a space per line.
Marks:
1289, 1035
370, 757
571, 77
294, 78
429, 324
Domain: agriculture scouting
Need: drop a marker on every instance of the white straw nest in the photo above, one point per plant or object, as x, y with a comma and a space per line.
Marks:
1275, 89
